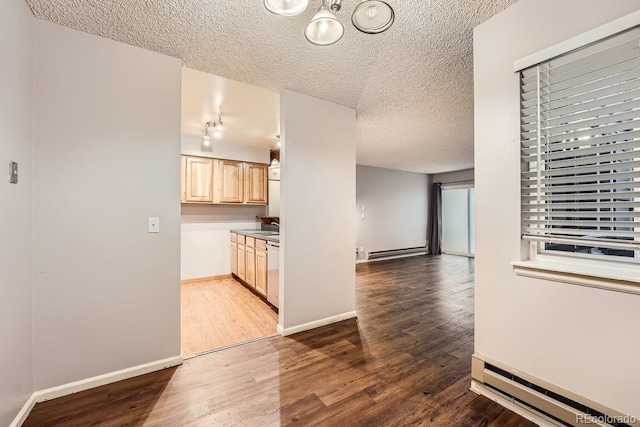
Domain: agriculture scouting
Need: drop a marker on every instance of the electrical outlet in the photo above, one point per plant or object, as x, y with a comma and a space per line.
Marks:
361, 249
362, 215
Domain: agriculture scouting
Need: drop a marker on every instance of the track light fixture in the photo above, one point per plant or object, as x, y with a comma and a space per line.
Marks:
212, 127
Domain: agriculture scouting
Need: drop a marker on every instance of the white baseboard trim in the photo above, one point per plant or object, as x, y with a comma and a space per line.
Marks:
88, 383
24, 412
316, 323
511, 405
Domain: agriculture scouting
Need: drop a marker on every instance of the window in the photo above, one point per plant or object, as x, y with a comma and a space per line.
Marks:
580, 135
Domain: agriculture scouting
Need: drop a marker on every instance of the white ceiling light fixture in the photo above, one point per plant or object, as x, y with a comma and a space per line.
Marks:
286, 7
325, 29
369, 16
373, 16
217, 131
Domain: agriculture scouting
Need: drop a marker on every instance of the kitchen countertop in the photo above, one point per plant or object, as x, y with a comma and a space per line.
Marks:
259, 234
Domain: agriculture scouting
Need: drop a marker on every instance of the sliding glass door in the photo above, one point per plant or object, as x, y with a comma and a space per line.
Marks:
458, 225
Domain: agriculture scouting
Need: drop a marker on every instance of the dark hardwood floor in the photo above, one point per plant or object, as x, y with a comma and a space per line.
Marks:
406, 361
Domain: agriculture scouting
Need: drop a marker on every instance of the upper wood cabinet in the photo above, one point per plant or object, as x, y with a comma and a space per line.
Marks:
205, 180
198, 179
229, 186
256, 183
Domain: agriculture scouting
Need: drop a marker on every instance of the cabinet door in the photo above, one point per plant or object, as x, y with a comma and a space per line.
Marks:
241, 261
234, 258
198, 179
251, 266
261, 272
231, 181
256, 177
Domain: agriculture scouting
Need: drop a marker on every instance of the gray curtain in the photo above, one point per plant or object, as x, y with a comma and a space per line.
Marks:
435, 223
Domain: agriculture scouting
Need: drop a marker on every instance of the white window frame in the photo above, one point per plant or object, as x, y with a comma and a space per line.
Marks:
467, 185
605, 272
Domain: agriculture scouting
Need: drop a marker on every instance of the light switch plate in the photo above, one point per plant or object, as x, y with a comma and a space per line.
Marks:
13, 173
154, 224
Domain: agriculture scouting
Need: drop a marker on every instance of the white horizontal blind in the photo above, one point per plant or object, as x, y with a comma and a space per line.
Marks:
580, 134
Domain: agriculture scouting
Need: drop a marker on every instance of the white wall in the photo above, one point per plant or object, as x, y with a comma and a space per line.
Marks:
107, 149
221, 149
582, 339
204, 243
318, 232
455, 176
16, 144
396, 209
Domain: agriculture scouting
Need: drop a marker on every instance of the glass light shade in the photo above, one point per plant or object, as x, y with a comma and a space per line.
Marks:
372, 16
286, 7
324, 29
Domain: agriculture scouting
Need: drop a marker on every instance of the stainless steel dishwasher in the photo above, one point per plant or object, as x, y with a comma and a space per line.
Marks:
273, 273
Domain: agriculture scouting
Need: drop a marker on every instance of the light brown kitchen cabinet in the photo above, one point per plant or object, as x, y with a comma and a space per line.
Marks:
234, 254
249, 261
229, 186
242, 260
261, 271
218, 181
251, 266
198, 179
256, 178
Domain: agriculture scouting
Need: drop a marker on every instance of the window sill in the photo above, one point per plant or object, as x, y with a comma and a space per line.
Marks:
595, 274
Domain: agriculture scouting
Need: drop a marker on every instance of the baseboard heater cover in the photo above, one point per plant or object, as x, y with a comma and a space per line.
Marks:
556, 406
397, 252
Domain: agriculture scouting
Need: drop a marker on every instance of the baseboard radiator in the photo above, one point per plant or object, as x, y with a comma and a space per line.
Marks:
548, 404
396, 253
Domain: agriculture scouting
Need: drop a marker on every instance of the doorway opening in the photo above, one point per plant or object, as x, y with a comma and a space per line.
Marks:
458, 219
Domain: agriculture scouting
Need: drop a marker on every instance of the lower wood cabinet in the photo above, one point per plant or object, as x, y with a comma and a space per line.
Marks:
234, 258
261, 272
251, 266
241, 259
249, 261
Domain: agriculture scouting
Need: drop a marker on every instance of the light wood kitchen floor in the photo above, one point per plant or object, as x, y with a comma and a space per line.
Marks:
220, 313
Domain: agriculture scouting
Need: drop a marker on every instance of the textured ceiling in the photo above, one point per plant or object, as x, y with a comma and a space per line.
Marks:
412, 86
